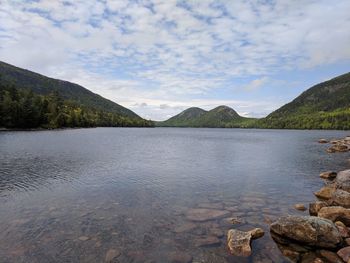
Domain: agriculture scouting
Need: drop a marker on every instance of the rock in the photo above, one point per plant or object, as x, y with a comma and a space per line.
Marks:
179, 257
343, 180
300, 207
330, 175
83, 238
330, 256
344, 253
233, 220
315, 207
203, 214
347, 241
185, 228
344, 232
340, 198
322, 141
338, 148
325, 192
336, 213
111, 255
238, 243
292, 255
257, 233
216, 232
310, 230
207, 241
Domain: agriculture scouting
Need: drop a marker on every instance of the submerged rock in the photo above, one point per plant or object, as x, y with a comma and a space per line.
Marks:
343, 180
309, 230
238, 243
184, 228
315, 207
207, 241
330, 175
336, 213
179, 257
300, 207
257, 233
111, 255
203, 214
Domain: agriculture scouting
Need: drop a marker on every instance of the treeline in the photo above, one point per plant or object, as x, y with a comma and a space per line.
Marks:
20, 108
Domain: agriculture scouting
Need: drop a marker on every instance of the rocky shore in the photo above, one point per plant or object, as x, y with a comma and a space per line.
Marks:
324, 235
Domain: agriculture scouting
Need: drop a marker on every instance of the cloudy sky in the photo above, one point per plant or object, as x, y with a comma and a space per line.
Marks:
158, 57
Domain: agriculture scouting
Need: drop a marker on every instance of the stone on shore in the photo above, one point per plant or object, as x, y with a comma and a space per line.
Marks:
325, 192
330, 175
300, 207
238, 243
344, 253
335, 213
315, 207
338, 148
203, 214
330, 256
343, 180
322, 141
309, 230
340, 198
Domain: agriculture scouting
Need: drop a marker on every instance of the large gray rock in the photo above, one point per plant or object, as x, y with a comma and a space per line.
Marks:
340, 198
342, 180
335, 213
309, 230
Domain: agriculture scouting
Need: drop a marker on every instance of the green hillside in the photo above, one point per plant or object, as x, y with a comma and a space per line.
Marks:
323, 106
219, 117
30, 100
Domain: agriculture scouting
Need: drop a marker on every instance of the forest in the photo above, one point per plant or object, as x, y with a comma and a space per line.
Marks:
23, 109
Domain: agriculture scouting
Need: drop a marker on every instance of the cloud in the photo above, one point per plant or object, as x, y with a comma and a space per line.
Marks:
169, 51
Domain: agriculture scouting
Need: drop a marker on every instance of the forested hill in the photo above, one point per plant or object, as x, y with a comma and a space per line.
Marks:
219, 117
42, 85
30, 100
323, 106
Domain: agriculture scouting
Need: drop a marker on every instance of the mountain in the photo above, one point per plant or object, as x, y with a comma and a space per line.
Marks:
30, 100
323, 106
219, 117
43, 85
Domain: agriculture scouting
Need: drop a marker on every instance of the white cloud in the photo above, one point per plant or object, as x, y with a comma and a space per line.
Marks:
171, 50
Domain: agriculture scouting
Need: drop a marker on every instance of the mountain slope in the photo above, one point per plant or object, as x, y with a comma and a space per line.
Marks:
219, 117
323, 106
43, 85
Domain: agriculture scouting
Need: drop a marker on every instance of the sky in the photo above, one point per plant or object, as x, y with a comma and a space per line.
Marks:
158, 58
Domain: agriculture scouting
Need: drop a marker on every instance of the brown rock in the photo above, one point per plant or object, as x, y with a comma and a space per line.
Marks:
292, 255
330, 175
257, 233
83, 238
343, 180
338, 148
300, 207
203, 214
347, 241
322, 141
330, 256
207, 241
111, 255
340, 198
336, 213
344, 253
344, 232
179, 257
238, 243
233, 220
310, 230
315, 207
325, 192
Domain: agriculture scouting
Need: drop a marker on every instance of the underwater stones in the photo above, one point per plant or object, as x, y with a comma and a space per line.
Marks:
179, 257
315, 207
239, 241
233, 220
207, 241
309, 230
343, 180
204, 214
111, 255
185, 228
329, 175
83, 238
325, 192
216, 232
336, 213
300, 207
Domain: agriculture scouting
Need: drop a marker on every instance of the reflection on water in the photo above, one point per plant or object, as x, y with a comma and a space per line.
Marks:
92, 195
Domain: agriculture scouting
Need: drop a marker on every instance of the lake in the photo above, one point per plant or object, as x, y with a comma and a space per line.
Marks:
84, 195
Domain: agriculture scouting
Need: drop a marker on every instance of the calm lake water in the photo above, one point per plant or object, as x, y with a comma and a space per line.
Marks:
73, 195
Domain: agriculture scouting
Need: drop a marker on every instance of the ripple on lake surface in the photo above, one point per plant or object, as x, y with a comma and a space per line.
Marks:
91, 195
